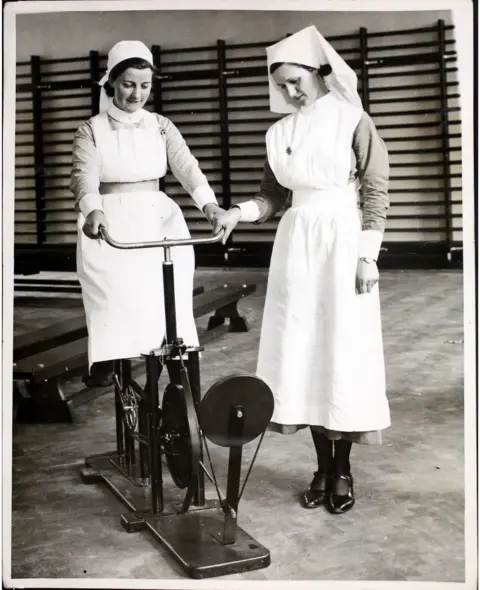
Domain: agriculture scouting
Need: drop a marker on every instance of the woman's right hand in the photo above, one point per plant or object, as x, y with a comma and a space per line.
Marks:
228, 221
92, 224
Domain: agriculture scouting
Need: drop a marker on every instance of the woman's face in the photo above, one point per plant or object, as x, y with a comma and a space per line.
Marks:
300, 86
132, 89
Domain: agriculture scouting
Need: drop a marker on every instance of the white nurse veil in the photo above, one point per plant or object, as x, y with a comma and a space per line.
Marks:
120, 52
309, 48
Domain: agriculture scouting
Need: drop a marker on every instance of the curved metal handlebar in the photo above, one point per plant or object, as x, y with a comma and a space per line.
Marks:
162, 244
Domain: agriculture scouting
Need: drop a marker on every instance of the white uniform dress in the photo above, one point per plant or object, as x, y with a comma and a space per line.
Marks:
321, 348
123, 289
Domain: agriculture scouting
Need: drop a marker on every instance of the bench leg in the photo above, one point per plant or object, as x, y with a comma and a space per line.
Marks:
237, 322
45, 403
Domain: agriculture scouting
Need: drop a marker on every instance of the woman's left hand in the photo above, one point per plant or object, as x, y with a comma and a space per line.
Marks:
367, 276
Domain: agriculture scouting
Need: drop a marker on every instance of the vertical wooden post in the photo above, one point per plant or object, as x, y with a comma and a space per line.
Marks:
364, 67
224, 135
38, 148
444, 123
157, 91
95, 77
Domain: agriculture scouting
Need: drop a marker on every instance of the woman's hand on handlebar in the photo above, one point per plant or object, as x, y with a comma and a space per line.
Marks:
228, 221
92, 224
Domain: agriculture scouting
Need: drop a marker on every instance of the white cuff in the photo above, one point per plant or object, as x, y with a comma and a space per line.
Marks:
250, 211
89, 203
203, 195
370, 243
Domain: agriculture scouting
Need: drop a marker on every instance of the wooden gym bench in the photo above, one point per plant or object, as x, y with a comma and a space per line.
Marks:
40, 368
31, 343
22, 286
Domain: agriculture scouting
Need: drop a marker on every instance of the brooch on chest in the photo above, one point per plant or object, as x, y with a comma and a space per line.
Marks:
289, 150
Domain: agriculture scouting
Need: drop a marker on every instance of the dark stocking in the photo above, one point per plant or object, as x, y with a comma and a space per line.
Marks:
316, 493
324, 450
341, 465
342, 457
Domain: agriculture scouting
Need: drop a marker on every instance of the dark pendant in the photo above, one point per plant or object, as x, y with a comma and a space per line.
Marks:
289, 150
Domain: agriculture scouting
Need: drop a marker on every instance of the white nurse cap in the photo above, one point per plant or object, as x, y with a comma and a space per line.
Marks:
120, 52
309, 48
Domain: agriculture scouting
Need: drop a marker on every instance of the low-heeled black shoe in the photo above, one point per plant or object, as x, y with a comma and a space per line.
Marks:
316, 493
340, 503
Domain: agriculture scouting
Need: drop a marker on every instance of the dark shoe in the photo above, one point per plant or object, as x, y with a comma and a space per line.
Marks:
316, 493
340, 497
101, 375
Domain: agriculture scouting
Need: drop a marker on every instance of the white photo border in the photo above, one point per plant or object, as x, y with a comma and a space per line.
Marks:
462, 13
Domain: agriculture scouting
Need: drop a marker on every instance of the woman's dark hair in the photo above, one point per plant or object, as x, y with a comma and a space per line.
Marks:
134, 62
324, 70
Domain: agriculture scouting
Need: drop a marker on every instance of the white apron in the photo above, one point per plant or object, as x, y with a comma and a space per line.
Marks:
123, 289
321, 349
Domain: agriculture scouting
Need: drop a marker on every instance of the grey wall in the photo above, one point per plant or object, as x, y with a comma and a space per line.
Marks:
71, 34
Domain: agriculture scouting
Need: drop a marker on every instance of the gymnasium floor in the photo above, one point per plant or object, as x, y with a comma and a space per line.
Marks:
408, 522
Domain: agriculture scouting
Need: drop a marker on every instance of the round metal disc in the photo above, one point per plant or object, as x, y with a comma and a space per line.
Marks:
237, 390
180, 436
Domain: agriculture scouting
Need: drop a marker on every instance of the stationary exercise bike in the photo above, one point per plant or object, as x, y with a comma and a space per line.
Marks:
201, 534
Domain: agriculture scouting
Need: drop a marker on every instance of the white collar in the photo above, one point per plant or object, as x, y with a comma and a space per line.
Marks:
123, 116
315, 104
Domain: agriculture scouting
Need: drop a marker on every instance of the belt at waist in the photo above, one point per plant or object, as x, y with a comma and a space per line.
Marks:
335, 196
107, 188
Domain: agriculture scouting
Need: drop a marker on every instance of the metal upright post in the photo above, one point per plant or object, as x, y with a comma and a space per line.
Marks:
195, 386
120, 425
153, 375
142, 447
130, 442
236, 423
169, 298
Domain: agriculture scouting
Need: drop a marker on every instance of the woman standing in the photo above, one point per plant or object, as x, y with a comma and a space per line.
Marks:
321, 349
118, 157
